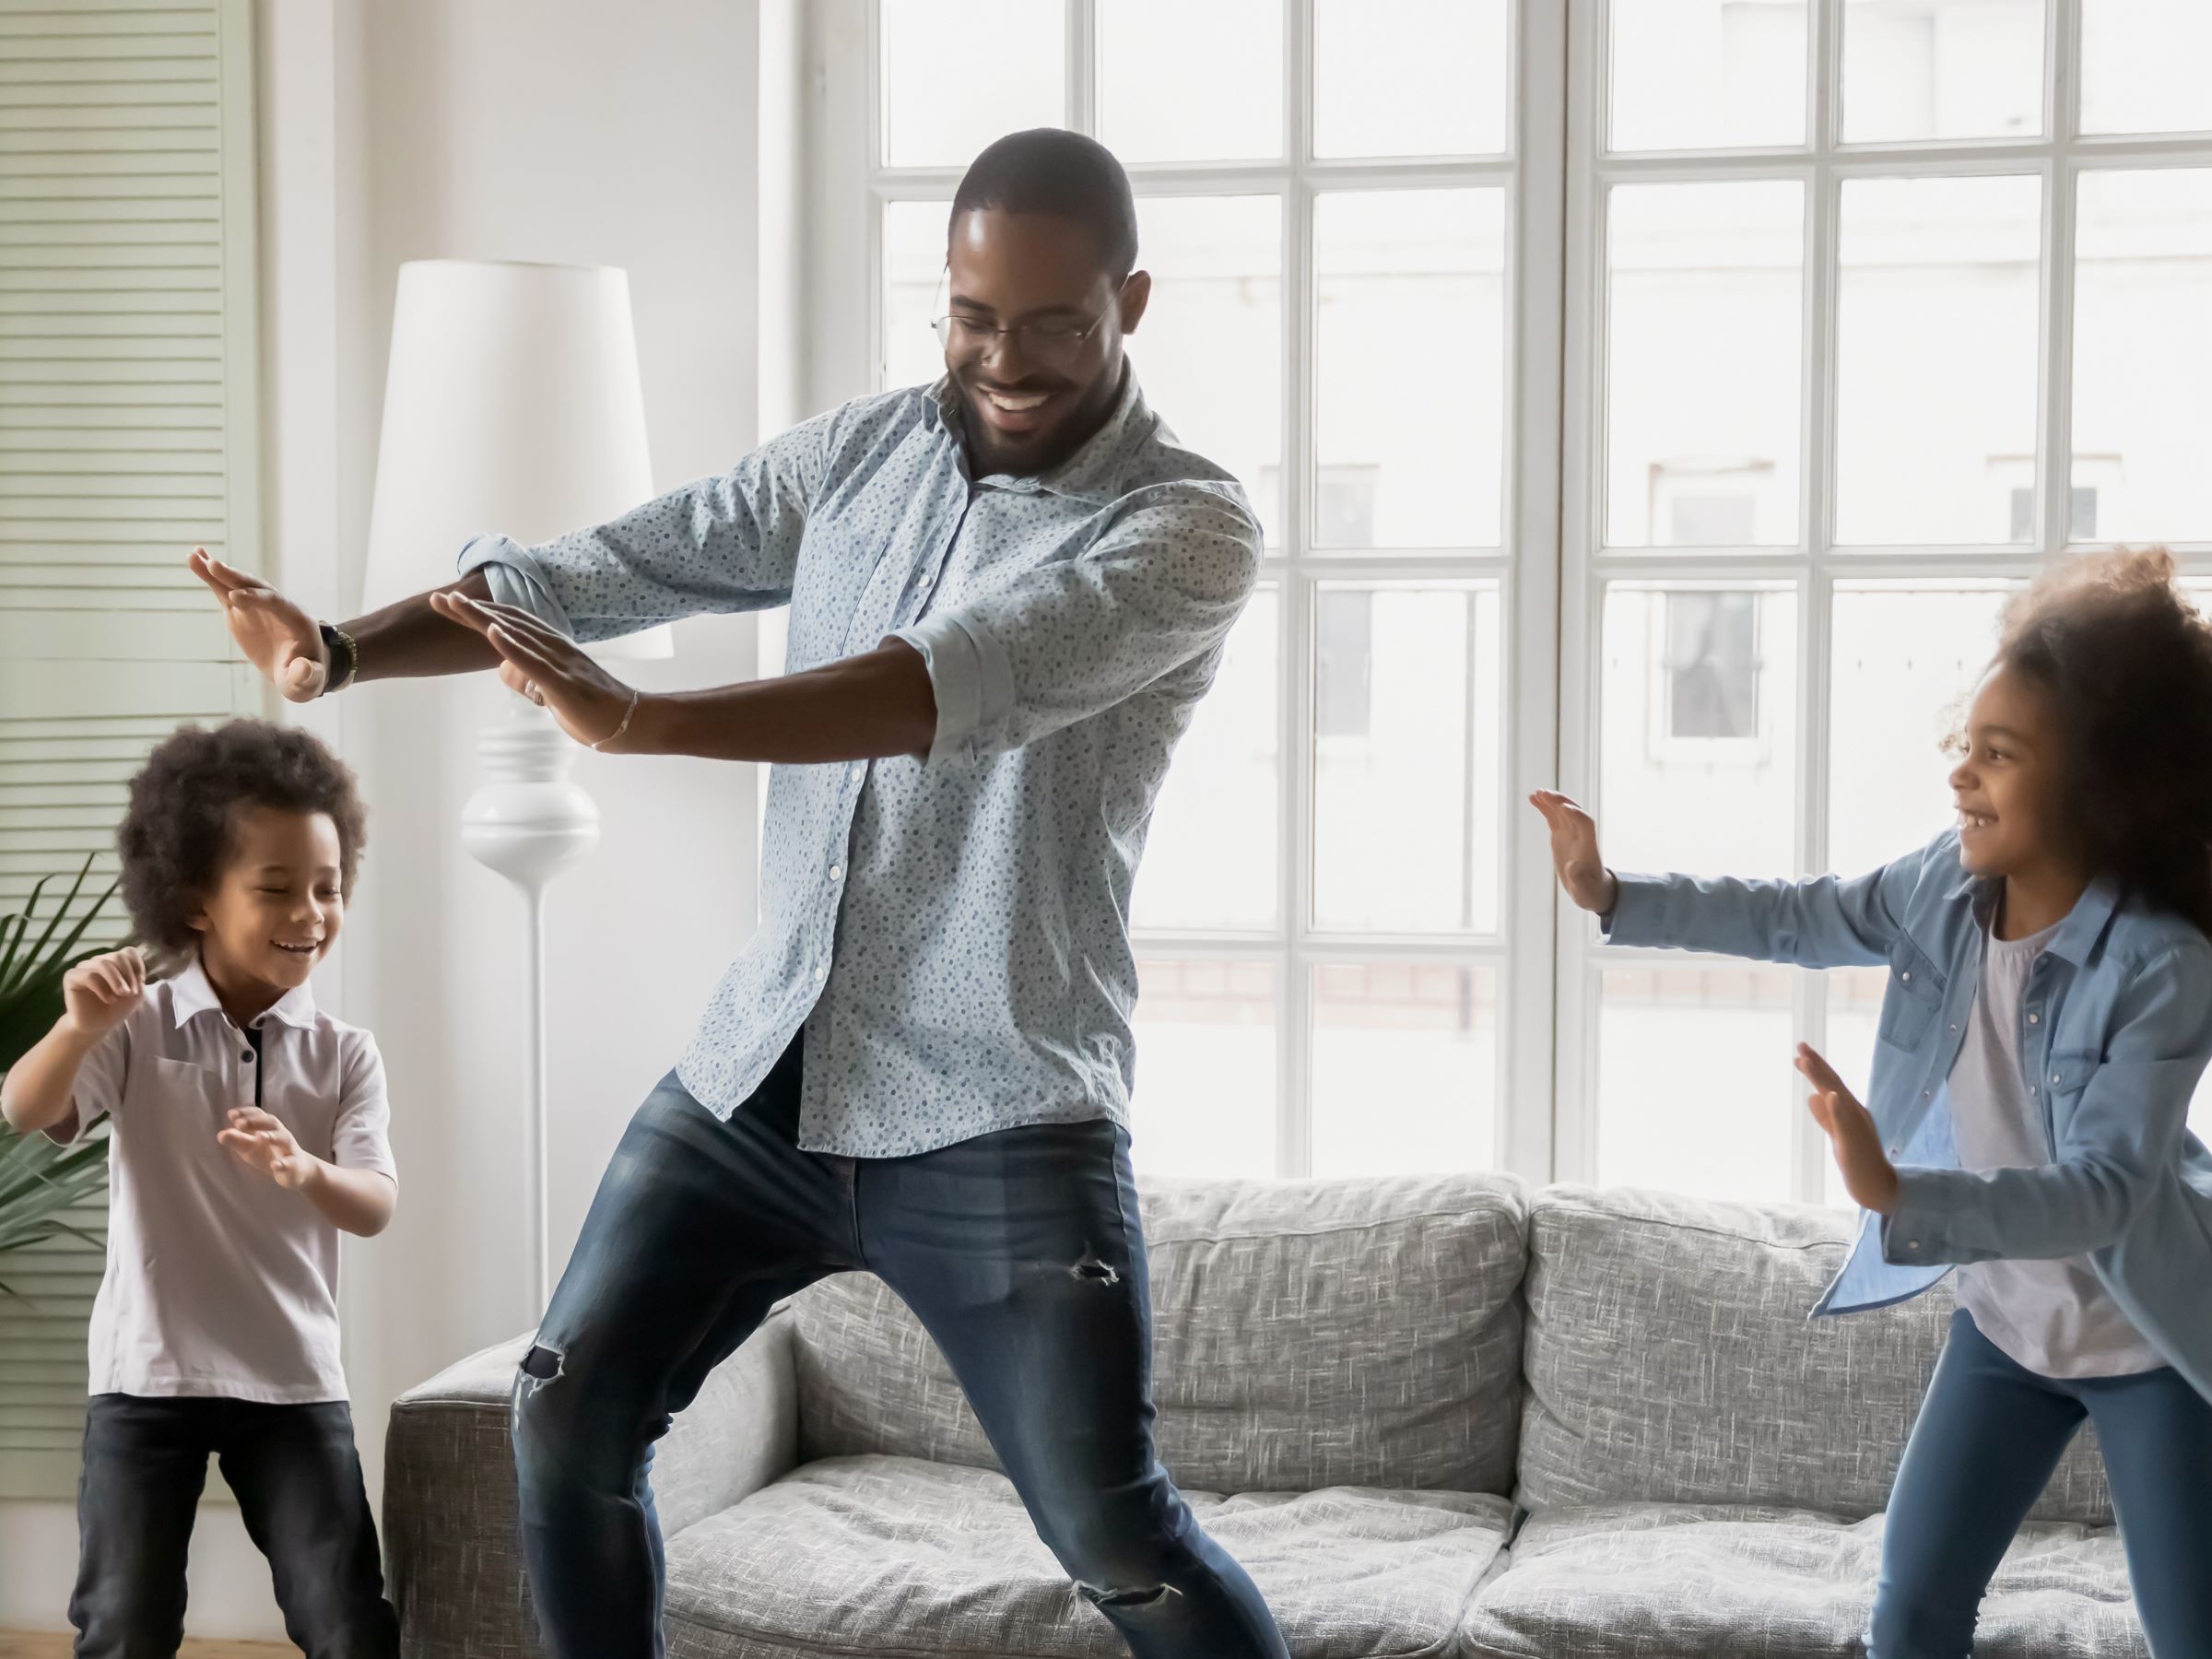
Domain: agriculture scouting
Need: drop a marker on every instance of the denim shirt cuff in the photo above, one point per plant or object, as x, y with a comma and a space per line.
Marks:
1920, 1229
1635, 916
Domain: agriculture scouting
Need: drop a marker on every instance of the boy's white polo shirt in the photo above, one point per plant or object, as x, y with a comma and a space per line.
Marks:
218, 1281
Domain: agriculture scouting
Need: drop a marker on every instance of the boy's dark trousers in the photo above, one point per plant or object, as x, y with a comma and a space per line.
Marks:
297, 1481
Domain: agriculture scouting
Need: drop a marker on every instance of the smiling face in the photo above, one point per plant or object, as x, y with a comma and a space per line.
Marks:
1034, 341
276, 906
2008, 784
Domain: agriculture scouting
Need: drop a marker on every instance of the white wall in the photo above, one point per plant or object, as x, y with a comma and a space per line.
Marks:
561, 130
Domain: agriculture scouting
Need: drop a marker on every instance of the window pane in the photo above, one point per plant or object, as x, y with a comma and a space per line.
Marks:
1205, 1102
1699, 728
1904, 662
913, 268
1166, 92
930, 46
2143, 357
1694, 1078
1705, 302
1942, 69
1410, 77
1210, 349
2143, 66
1406, 757
1936, 358
1404, 1069
1707, 74
1211, 859
1410, 377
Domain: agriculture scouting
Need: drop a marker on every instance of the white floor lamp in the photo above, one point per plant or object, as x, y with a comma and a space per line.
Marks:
512, 404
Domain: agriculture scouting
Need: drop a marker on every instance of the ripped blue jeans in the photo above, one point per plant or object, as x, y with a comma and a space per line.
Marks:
1019, 1251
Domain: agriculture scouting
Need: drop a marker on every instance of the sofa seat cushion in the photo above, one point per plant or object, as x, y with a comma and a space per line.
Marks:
1664, 1581
896, 1556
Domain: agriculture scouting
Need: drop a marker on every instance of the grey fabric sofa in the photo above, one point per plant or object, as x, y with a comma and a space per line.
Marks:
1432, 1417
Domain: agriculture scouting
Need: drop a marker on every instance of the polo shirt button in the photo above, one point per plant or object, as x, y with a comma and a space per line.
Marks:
2034, 1019
1906, 976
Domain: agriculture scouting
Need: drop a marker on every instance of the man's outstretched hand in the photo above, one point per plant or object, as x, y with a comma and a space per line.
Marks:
278, 636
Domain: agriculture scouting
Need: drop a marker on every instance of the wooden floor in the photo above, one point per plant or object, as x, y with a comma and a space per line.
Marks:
13, 1646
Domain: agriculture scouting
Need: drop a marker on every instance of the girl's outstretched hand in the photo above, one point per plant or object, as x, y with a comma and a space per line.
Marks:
1869, 1175
1574, 852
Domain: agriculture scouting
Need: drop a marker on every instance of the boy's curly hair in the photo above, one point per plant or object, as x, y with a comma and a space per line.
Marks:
177, 833
2127, 661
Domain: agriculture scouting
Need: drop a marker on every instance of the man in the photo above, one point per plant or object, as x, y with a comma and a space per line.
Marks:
1008, 593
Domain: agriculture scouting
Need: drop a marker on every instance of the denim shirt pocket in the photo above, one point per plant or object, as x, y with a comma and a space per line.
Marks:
1914, 998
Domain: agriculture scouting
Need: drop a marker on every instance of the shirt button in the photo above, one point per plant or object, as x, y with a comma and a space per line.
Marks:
837, 872
1906, 976
2054, 1078
2034, 1019
1954, 1028
1927, 1094
820, 974
247, 1057
858, 774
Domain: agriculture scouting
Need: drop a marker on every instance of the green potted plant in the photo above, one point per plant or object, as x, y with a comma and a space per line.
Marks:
41, 1182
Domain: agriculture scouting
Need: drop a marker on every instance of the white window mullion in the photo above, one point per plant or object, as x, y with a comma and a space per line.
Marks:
1082, 66
1574, 1032
2055, 458
1526, 1083
1294, 1137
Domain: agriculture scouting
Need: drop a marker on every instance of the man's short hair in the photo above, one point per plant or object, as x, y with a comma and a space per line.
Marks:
1051, 170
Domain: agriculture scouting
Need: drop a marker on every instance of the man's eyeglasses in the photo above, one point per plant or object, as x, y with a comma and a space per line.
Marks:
1053, 344
1048, 344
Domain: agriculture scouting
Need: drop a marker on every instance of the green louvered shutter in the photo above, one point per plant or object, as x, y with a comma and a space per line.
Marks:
128, 432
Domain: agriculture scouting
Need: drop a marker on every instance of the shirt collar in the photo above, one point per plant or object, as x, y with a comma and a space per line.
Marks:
2076, 935
191, 993
1089, 474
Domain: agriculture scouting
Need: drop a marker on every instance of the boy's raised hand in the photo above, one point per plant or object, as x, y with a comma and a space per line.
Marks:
1574, 852
99, 992
1869, 1175
278, 636
261, 1142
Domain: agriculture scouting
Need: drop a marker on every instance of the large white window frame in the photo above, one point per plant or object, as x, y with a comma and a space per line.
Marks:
1552, 565
1814, 567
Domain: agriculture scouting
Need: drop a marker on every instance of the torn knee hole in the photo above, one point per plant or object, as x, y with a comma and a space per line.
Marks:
1146, 1595
1098, 1272
542, 1365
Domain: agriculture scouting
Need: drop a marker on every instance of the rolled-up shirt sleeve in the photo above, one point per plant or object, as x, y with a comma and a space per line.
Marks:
727, 543
1067, 639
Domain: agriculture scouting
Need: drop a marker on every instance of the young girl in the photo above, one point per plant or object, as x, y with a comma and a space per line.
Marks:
2048, 1015
247, 1131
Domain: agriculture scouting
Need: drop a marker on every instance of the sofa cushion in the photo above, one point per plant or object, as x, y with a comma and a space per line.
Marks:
894, 1556
1724, 1582
1306, 1334
1671, 1358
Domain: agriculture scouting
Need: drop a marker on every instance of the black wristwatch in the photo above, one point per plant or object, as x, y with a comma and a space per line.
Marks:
342, 657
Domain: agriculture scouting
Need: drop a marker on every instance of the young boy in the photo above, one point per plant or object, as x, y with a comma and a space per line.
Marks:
249, 1127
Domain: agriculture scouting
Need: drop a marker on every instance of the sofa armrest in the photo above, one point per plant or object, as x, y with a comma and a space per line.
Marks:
454, 1556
